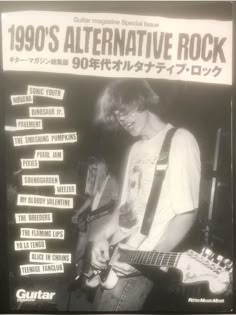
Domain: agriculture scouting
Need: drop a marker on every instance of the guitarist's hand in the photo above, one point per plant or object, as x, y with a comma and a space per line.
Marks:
100, 254
74, 218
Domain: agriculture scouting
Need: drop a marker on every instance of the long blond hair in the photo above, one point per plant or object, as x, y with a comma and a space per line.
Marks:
92, 187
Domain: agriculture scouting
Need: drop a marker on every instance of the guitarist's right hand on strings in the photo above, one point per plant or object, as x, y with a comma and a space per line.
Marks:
81, 210
74, 218
100, 254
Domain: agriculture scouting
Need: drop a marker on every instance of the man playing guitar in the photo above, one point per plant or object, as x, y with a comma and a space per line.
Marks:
133, 105
102, 189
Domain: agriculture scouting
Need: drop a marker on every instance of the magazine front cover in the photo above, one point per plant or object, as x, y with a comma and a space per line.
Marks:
118, 133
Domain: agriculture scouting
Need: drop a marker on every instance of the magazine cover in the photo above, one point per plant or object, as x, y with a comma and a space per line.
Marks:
118, 133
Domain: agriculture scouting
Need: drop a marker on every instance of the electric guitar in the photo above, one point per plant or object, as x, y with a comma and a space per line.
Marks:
195, 267
96, 218
90, 223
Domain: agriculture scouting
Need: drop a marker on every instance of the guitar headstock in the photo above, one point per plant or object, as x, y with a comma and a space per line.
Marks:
206, 267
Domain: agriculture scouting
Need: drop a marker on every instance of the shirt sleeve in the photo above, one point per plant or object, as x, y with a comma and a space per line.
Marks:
183, 172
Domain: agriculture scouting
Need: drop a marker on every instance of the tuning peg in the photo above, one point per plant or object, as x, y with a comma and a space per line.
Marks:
208, 253
219, 259
203, 251
228, 263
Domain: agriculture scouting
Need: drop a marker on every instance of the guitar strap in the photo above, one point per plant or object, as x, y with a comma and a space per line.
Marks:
160, 171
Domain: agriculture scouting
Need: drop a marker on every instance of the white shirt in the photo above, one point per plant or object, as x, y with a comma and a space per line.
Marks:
180, 188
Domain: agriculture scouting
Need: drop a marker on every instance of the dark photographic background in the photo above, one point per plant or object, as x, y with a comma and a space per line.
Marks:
202, 108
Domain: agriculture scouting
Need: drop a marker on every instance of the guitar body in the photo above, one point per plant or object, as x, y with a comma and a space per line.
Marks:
90, 222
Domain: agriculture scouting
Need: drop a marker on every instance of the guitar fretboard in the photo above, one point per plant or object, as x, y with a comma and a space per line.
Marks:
151, 258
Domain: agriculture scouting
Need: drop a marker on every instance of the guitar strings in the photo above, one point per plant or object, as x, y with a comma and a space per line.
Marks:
168, 259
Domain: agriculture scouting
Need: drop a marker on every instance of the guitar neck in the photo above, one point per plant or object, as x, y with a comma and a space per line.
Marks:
107, 208
150, 258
